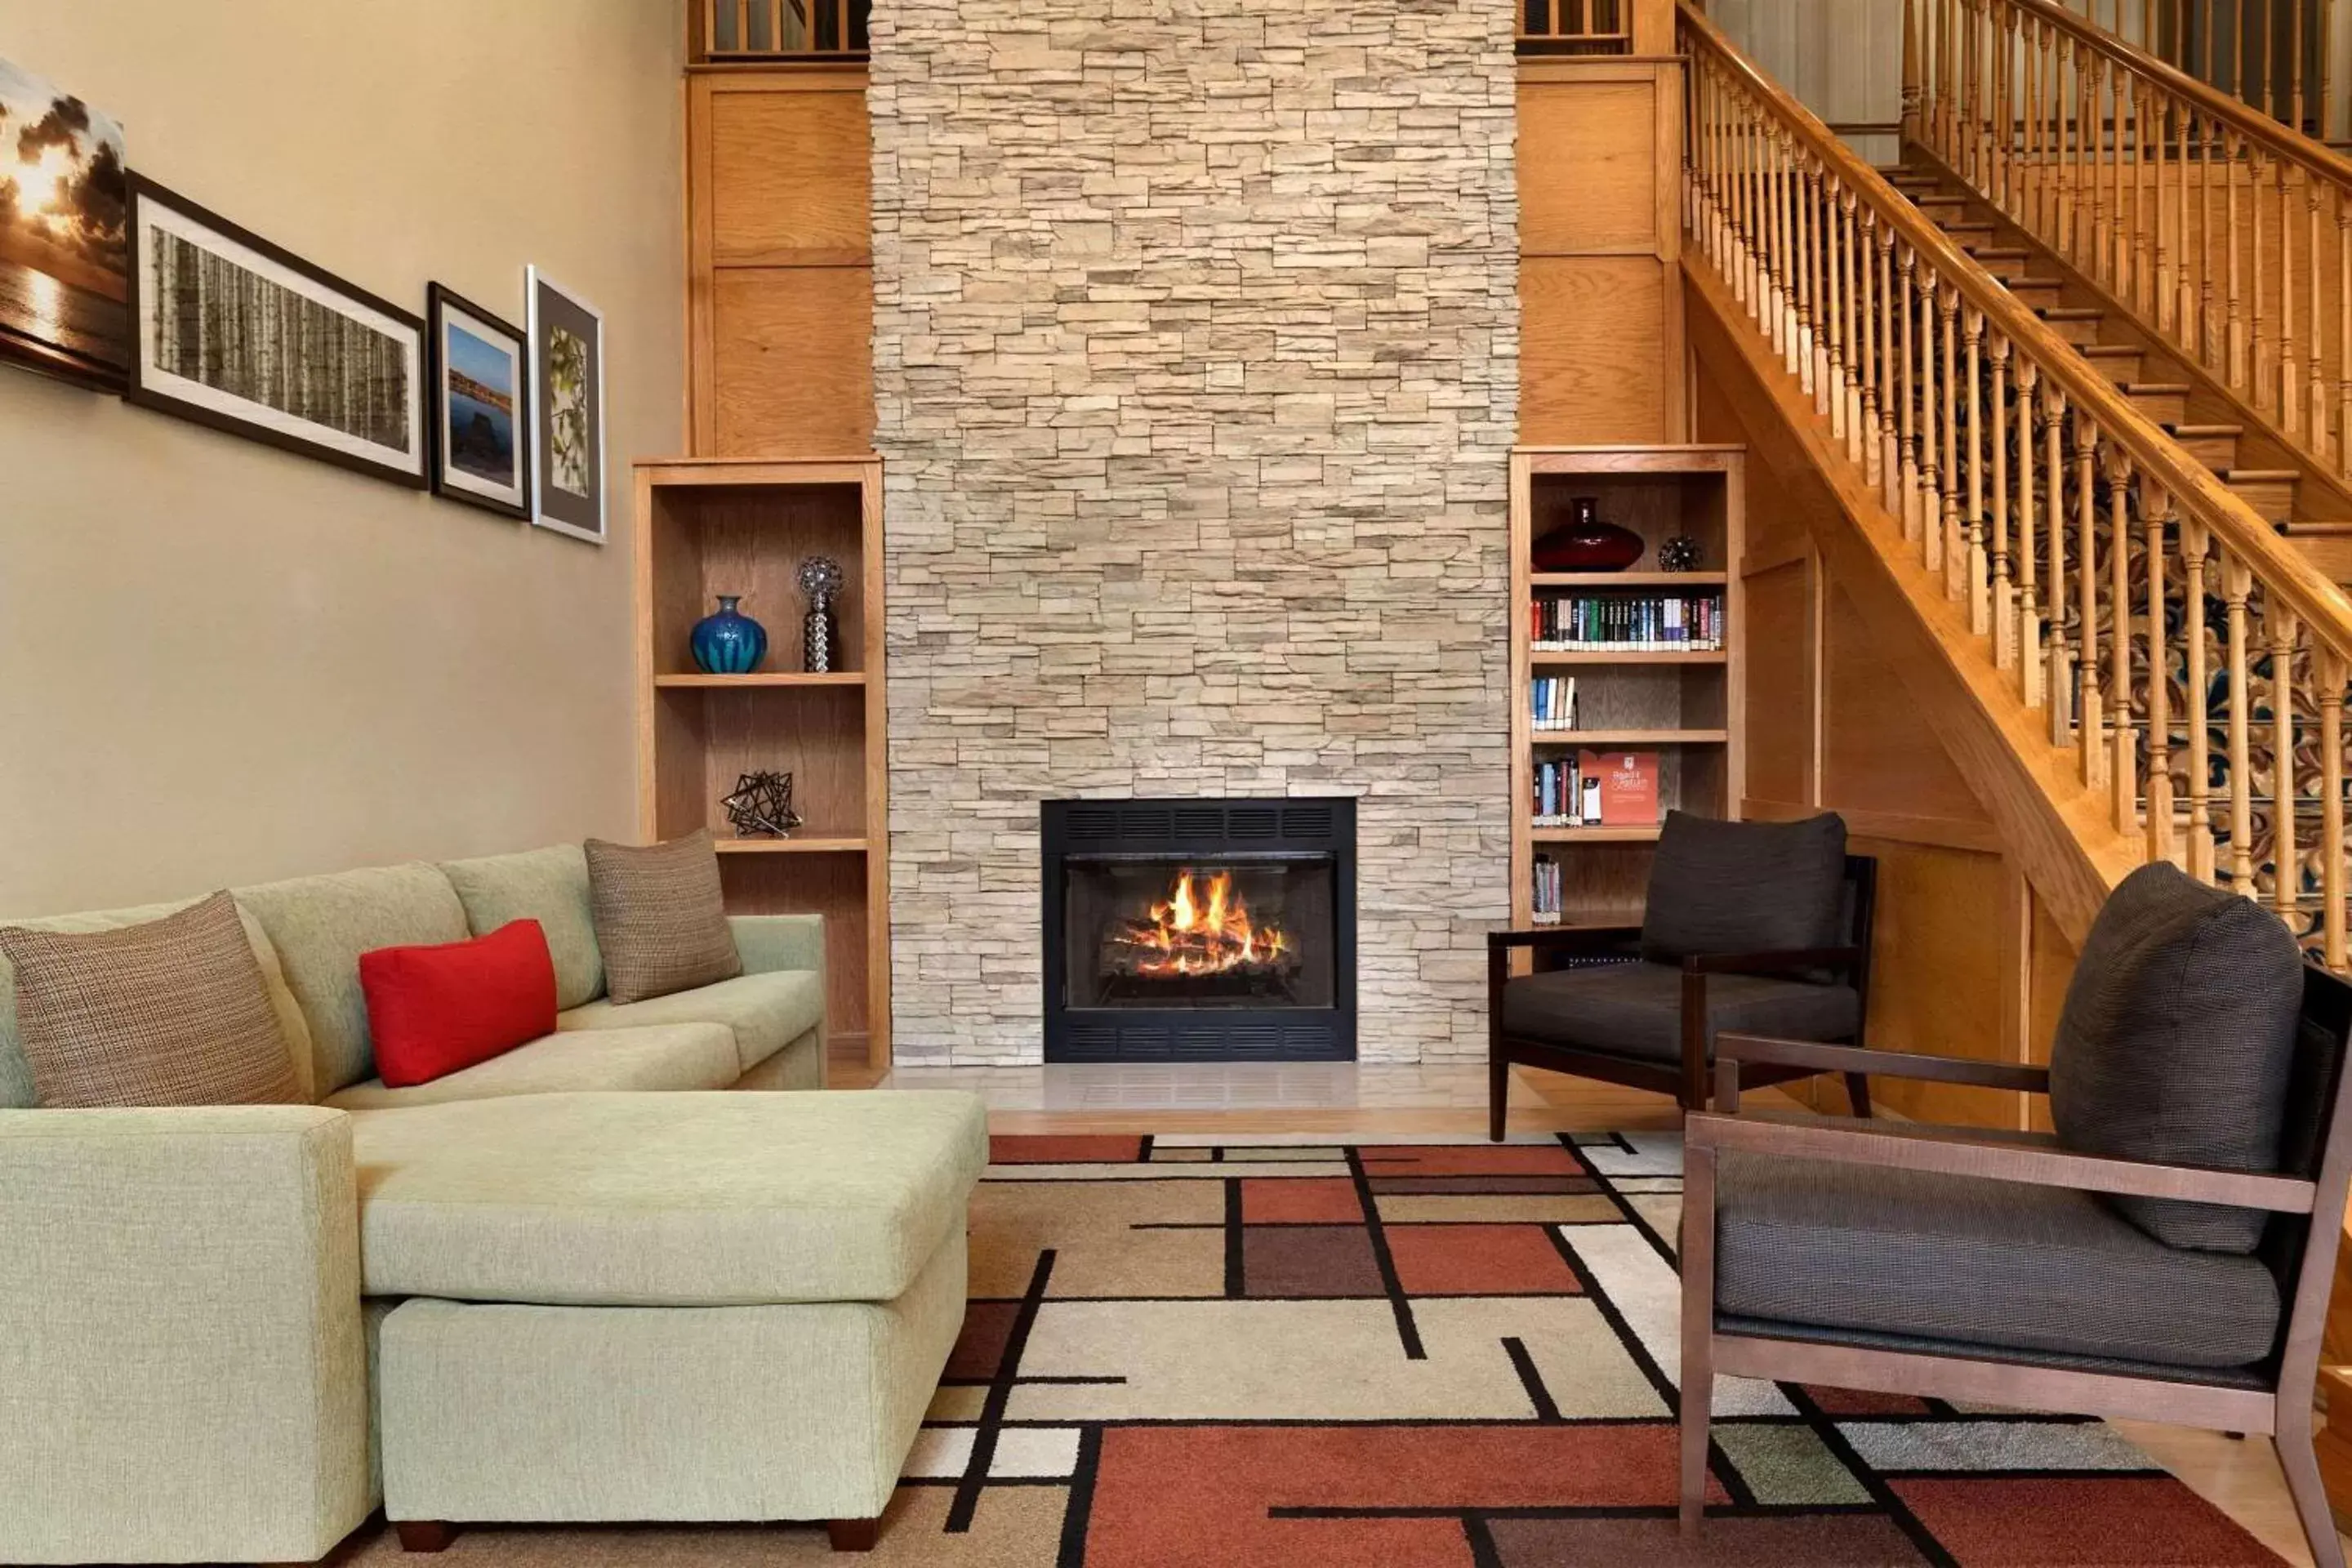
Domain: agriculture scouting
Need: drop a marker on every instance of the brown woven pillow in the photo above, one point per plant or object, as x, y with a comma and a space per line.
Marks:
661, 920
174, 1012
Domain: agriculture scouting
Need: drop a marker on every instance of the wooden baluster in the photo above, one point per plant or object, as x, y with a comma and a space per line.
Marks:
2343, 331
1890, 454
2089, 704
2314, 373
1934, 388
1908, 365
1792, 349
2290, 372
1982, 103
2155, 505
2169, 320
2259, 187
2237, 582
2086, 228
2295, 23
2328, 668
1836, 355
2233, 236
2185, 289
2002, 606
1860, 436
2210, 351
2029, 607
2114, 244
2200, 738
1820, 376
1972, 556
1865, 264
2002, 34
2148, 201
2037, 131
1946, 552
2286, 860
2058, 692
2123, 771
1802, 190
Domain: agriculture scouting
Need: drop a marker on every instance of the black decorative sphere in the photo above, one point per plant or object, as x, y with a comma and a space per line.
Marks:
1679, 553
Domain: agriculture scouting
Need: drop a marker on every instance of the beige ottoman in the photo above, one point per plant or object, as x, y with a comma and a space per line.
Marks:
661, 1307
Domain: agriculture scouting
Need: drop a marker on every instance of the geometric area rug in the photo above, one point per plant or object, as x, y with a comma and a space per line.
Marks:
1186, 1352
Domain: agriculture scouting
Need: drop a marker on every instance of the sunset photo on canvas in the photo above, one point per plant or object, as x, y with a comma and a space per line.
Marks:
63, 259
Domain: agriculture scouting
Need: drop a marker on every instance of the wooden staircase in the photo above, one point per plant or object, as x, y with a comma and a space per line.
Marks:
2299, 496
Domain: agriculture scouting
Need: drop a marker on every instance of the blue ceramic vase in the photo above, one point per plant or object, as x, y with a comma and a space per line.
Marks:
730, 642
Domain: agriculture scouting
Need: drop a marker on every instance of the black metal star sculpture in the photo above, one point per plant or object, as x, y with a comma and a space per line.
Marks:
762, 806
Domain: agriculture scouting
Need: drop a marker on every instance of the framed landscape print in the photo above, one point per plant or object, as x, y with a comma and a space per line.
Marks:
230, 331
64, 200
476, 408
567, 404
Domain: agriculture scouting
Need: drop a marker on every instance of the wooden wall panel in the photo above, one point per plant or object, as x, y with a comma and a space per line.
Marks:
1588, 181
1879, 755
1937, 974
780, 302
1590, 373
792, 361
1780, 661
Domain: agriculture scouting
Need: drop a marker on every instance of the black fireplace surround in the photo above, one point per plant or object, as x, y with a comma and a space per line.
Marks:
1200, 930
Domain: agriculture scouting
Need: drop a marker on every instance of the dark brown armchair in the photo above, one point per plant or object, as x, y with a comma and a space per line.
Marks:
2165, 1255
1763, 928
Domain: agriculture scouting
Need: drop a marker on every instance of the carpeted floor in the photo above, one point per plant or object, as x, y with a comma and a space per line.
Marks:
1412, 1356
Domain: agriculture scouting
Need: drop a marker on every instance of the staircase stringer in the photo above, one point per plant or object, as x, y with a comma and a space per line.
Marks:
2058, 831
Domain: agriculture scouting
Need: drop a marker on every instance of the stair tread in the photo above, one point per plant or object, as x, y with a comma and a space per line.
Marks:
2166, 388
2110, 351
2263, 475
2316, 528
2074, 313
2209, 430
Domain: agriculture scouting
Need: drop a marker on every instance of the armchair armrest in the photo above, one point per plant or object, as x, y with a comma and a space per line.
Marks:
1954, 1152
1570, 939
1777, 961
768, 943
1760, 1049
179, 1335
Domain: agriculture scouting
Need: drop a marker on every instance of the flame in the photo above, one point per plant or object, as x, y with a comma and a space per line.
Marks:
1203, 927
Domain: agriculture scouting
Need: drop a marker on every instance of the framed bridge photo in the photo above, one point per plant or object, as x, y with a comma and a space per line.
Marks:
478, 405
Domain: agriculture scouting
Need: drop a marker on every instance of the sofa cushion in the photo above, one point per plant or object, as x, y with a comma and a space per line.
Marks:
2177, 1044
1745, 886
1977, 1262
1636, 1009
661, 917
549, 886
676, 1200
320, 925
670, 1056
767, 1012
16, 1074
171, 1012
436, 1010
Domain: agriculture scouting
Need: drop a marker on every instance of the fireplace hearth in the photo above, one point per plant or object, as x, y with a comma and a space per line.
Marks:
1200, 930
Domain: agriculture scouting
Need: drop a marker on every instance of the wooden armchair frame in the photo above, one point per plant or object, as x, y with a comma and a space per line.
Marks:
1685, 1079
2281, 1411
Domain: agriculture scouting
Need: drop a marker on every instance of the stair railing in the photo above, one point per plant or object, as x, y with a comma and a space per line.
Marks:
2274, 56
2187, 653
2225, 233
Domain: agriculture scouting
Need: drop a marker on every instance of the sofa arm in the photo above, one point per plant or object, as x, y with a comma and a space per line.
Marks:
769, 943
182, 1370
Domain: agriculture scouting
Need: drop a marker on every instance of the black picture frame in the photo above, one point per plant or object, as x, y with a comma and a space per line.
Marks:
444, 308
158, 211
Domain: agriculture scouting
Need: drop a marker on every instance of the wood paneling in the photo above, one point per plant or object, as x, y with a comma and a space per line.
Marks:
1588, 174
1590, 369
792, 361
1937, 974
1780, 661
1878, 753
788, 175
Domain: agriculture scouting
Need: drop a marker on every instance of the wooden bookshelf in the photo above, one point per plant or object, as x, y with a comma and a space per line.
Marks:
1684, 705
708, 527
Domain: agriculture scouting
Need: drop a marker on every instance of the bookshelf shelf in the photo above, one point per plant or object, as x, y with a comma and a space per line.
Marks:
785, 680
1682, 705
823, 844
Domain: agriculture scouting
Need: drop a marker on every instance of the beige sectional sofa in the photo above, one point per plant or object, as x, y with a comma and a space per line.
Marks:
204, 1312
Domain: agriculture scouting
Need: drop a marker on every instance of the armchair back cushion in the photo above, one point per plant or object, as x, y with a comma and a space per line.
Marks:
2178, 1042
1745, 886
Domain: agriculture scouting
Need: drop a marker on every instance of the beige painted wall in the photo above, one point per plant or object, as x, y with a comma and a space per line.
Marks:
221, 663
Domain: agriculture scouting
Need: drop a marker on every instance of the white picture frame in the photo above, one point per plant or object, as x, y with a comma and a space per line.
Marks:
567, 410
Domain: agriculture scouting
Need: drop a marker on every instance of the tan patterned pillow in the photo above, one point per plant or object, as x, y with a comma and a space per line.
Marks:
174, 1012
661, 920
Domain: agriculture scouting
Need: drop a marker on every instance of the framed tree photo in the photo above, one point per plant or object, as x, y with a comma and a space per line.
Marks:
478, 412
234, 332
567, 404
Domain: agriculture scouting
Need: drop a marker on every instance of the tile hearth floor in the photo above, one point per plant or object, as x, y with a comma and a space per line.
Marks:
1308, 1101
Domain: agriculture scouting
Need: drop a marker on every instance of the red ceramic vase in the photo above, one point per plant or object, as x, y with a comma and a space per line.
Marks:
1587, 543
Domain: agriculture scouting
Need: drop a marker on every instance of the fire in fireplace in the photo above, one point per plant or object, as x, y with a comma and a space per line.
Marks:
1187, 930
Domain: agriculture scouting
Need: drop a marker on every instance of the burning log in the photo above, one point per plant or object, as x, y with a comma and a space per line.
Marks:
1199, 931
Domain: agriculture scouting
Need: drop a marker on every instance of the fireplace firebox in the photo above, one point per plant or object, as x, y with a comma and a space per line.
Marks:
1200, 930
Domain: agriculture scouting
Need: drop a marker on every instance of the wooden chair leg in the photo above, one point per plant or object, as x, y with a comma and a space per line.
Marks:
1857, 1090
423, 1534
2301, 1463
854, 1534
1498, 1092
1695, 1255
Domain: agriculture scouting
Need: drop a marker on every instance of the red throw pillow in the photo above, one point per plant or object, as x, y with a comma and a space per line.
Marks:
434, 1010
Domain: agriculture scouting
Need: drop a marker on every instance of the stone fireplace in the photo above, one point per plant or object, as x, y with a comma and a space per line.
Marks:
1195, 354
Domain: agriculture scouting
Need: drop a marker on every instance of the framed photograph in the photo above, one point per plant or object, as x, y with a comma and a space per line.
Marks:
567, 410
232, 332
476, 409
64, 251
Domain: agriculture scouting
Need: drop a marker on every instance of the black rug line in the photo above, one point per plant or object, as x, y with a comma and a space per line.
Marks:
999, 1395
1143, 1150
1825, 1428
1399, 1304
1564, 1510
1547, 1408
1078, 1513
1484, 1553
1234, 1250
1634, 1348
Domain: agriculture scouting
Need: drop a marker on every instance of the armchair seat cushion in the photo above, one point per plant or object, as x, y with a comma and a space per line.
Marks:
1998, 1265
1636, 1009
767, 1012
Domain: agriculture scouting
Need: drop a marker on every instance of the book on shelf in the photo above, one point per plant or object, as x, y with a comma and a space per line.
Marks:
1553, 697
1620, 623
1548, 890
1567, 794
1624, 792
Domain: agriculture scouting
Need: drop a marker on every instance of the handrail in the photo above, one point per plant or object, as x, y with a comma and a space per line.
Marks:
2210, 101
2156, 453
2086, 544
